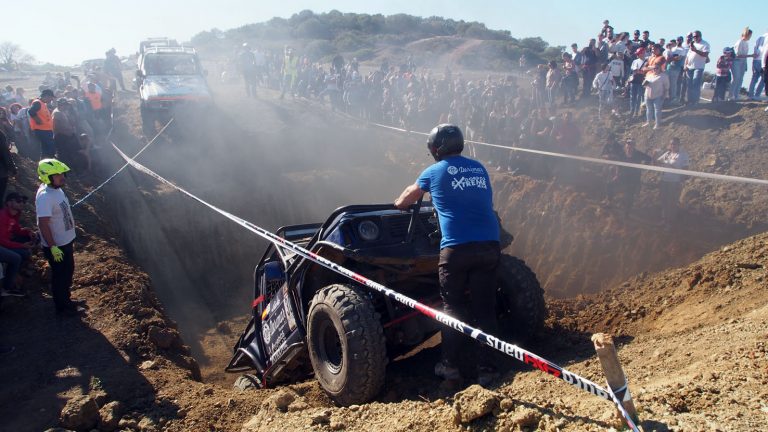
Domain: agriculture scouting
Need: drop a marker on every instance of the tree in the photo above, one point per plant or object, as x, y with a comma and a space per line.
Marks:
11, 55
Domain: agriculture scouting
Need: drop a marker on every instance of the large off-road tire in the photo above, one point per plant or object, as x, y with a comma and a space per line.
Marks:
520, 305
346, 344
247, 382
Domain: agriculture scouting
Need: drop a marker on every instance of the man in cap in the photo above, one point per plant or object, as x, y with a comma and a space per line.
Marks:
41, 123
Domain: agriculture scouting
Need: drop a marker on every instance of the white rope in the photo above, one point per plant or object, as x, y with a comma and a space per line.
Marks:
689, 173
124, 165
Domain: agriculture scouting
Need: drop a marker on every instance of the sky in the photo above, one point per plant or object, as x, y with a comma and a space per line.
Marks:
69, 32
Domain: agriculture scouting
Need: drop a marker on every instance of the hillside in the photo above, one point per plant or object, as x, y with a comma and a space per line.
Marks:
321, 36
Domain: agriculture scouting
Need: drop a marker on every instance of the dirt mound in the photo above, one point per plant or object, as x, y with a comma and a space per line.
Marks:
723, 285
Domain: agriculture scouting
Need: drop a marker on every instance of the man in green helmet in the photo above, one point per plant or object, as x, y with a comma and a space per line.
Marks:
57, 230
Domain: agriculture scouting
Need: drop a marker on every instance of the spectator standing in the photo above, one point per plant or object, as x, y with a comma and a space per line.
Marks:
629, 179
554, 79
675, 57
41, 123
589, 67
656, 90
64, 128
672, 184
570, 79
578, 61
114, 68
57, 229
739, 68
604, 84
617, 69
723, 74
757, 83
7, 167
682, 82
697, 58
636, 82
246, 62
469, 248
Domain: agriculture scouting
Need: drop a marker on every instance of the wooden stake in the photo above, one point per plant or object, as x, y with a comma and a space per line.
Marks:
609, 360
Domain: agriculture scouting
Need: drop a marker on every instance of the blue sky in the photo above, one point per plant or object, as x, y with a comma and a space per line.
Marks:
71, 31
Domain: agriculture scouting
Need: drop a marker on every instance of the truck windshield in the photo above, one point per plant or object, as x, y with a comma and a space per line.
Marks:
170, 64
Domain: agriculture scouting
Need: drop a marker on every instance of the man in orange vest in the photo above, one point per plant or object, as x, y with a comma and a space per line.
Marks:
41, 123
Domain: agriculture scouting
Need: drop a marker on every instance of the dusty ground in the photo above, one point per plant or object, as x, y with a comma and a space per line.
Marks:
693, 339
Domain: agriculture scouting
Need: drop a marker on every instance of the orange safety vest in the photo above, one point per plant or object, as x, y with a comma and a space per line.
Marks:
95, 99
44, 115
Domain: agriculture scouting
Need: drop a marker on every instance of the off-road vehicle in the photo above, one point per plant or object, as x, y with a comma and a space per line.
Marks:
171, 83
308, 319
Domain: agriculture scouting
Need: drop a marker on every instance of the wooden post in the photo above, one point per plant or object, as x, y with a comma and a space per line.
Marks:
609, 360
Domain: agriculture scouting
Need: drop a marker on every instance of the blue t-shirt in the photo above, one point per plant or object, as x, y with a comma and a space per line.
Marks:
461, 193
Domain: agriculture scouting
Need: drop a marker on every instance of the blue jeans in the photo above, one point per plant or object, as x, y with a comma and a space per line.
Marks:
653, 109
757, 84
13, 261
738, 70
695, 77
47, 146
674, 76
635, 97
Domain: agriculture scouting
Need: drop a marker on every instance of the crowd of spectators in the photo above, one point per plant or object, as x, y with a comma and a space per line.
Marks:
618, 73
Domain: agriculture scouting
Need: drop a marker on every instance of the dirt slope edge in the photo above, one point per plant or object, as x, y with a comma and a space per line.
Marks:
124, 350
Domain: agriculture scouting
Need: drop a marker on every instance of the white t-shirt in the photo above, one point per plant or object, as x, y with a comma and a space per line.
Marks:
617, 68
679, 160
51, 202
695, 61
680, 52
741, 47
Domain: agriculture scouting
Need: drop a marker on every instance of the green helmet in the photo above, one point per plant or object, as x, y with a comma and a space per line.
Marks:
48, 167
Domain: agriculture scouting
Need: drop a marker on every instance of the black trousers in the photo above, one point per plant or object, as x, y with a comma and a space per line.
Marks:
61, 276
468, 287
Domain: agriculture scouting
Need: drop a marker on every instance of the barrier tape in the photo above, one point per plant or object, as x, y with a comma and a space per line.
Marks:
689, 173
507, 348
88, 195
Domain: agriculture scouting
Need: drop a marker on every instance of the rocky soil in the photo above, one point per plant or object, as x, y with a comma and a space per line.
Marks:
148, 355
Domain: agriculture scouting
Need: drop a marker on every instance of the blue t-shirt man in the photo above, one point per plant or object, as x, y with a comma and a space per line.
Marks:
469, 250
461, 192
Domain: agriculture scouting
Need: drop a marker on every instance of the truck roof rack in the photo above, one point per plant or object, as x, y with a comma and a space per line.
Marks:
157, 42
167, 49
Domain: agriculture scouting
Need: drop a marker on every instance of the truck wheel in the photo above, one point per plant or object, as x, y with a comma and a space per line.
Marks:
346, 344
247, 382
520, 306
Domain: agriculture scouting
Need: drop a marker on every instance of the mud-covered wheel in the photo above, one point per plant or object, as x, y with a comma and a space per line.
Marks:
247, 382
520, 306
346, 344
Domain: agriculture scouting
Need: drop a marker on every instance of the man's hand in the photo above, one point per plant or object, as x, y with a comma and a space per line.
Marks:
58, 254
409, 196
